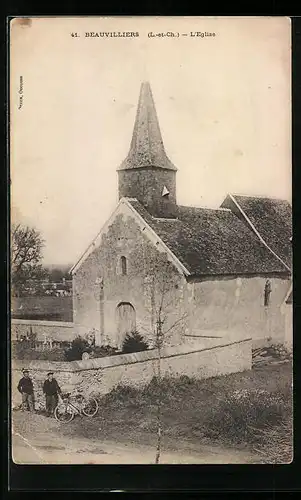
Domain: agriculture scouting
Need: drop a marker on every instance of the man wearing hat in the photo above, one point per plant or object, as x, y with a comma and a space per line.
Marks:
25, 387
51, 390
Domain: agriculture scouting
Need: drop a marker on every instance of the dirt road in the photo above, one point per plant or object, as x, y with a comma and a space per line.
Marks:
37, 440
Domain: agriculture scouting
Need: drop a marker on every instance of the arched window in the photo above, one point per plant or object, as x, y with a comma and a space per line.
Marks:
123, 265
267, 293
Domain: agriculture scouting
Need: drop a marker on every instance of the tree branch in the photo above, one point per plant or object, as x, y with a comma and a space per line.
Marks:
185, 315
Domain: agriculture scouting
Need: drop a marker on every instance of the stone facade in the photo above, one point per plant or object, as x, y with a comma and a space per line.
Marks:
99, 286
145, 184
236, 305
287, 312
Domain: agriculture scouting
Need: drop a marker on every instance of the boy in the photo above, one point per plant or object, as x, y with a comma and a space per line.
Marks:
25, 387
51, 390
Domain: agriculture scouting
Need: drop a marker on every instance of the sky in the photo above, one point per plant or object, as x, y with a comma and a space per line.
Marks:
223, 103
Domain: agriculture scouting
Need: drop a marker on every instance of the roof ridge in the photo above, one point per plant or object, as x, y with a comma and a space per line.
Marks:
255, 230
166, 218
205, 208
259, 196
150, 215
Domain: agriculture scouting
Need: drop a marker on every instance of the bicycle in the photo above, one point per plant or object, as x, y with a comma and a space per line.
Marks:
65, 411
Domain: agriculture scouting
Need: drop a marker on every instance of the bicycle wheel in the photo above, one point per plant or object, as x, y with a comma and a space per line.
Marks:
64, 413
90, 407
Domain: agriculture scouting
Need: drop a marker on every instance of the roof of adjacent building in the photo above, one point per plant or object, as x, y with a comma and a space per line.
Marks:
271, 218
289, 299
147, 148
212, 242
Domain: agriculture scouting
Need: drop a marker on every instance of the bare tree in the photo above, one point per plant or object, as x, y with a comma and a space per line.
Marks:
26, 256
167, 313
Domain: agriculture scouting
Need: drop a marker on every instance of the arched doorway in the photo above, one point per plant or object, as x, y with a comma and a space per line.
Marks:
126, 319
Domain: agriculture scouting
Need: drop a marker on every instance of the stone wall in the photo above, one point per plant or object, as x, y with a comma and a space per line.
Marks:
205, 359
146, 186
56, 330
64, 373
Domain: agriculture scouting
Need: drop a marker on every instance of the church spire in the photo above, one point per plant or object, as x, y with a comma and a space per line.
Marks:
147, 149
147, 174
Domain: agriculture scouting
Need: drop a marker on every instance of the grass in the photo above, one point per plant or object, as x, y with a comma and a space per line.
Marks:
42, 308
275, 443
250, 409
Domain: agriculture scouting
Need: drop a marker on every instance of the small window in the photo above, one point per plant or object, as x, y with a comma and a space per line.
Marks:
123, 266
267, 293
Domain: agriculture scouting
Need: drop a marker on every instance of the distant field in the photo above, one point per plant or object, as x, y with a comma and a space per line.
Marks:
42, 308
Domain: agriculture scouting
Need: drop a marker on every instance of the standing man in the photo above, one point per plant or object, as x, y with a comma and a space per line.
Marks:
51, 390
25, 387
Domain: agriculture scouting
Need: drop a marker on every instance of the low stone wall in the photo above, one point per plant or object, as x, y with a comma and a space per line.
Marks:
258, 338
209, 359
64, 373
56, 330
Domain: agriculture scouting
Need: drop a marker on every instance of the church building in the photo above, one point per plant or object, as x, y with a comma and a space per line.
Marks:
191, 273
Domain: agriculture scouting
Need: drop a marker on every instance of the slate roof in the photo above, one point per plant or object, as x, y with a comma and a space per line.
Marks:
147, 148
272, 218
212, 242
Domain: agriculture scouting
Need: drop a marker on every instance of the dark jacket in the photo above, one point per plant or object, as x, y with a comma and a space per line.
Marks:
51, 388
25, 385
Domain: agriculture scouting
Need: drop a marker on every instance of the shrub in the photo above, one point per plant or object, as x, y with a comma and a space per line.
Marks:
55, 354
20, 348
228, 408
277, 351
78, 346
121, 393
134, 342
103, 351
237, 414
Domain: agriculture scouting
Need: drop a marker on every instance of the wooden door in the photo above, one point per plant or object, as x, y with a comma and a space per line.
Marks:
126, 319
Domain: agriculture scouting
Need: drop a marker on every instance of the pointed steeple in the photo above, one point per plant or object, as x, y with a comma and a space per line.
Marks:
147, 174
147, 149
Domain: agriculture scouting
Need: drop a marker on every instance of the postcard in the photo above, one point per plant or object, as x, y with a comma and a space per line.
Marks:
151, 240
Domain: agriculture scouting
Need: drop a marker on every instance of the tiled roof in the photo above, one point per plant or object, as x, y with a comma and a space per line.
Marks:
212, 242
272, 218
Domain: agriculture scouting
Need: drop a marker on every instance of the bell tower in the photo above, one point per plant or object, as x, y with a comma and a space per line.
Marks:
147, 174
